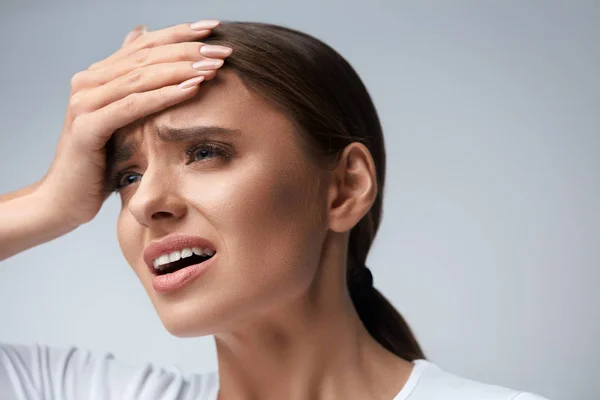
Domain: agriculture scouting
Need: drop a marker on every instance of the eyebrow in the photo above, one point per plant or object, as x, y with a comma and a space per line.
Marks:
169, 134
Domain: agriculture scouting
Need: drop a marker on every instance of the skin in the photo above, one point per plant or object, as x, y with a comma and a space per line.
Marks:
139, 79
275, 299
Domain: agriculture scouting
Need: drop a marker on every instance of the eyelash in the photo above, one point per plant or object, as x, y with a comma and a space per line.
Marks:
219, 150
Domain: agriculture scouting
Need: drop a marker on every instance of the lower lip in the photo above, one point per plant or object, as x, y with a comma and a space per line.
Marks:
178, 279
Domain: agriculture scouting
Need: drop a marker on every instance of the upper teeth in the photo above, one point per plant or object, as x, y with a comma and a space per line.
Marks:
179, 254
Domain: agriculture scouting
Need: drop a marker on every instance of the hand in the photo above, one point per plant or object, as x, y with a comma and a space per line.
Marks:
141, 78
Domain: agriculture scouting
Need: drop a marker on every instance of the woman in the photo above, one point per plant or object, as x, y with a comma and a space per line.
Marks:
248, 210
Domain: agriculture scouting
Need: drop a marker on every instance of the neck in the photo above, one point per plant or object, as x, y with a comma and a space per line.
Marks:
314, 347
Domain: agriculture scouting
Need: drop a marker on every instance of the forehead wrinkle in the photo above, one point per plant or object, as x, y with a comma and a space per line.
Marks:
166, 133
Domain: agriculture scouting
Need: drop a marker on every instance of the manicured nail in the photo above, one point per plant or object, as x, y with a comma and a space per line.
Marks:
135, 32
141, 28
204, 24
208, 64
211, 50
190, 83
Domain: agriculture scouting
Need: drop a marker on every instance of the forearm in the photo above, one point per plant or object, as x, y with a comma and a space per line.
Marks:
19, 193
25, 222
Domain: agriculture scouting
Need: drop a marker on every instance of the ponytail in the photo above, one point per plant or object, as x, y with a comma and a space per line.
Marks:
324, 96
378, 315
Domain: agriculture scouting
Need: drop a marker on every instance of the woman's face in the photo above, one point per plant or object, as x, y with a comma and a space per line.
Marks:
250, 191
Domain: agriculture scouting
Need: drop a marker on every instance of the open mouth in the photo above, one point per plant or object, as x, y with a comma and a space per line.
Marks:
169, 263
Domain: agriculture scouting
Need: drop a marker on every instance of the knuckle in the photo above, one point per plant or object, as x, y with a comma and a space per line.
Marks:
178, 33
133, 77
162, 97
77, 80
181, 30
131, 104
76, 103
191, 50
142, 56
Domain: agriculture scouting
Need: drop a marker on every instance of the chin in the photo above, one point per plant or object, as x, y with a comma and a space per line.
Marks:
186, 323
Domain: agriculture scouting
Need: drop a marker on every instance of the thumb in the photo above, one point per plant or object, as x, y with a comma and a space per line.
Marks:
134, 34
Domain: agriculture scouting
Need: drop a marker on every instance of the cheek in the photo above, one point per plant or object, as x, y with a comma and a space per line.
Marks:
263, 207
129, 238
269, 221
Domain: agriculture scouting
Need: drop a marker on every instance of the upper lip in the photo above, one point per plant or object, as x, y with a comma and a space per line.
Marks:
173, 243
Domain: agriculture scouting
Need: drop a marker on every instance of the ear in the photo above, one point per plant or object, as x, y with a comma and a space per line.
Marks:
353, 188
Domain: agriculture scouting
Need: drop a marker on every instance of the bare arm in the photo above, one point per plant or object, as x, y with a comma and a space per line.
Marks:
19, 193
26, 221
110, 94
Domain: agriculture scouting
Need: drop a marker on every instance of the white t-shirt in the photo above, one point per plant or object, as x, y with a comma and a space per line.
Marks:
50, 373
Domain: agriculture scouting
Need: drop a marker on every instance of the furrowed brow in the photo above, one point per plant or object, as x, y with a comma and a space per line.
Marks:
163, 133
170, 134
125, 151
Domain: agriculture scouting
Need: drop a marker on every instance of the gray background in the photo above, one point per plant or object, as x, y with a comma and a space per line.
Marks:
490, 241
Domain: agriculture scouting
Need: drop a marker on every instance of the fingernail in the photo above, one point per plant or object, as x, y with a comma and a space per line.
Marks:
208, 64
204, 24
211, 50
141, 28
135, 31
191, 82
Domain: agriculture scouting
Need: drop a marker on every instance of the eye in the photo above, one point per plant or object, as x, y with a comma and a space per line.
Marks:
125, 179
206, 151
203, 154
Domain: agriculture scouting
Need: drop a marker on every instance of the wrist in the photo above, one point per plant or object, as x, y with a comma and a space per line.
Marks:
26, 222
50, 217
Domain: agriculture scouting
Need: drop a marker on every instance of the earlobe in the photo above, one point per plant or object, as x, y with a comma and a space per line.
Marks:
353, 188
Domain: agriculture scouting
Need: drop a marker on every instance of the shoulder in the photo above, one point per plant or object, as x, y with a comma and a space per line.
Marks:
431, 382
528, 396
38, 371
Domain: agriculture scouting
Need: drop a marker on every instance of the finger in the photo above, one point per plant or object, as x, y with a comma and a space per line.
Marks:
134, 34
174, 34
189, 51
139, 81
129, 109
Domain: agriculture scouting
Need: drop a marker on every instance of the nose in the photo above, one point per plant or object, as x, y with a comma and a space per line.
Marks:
156, 200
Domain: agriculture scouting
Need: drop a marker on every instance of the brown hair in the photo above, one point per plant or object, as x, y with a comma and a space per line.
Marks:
319, 90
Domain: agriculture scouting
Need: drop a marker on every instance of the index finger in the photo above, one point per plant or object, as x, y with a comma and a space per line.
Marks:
173, 34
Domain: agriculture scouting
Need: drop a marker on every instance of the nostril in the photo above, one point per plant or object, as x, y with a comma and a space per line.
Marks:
161, 215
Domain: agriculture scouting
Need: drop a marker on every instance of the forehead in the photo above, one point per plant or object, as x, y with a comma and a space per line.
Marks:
223, 101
